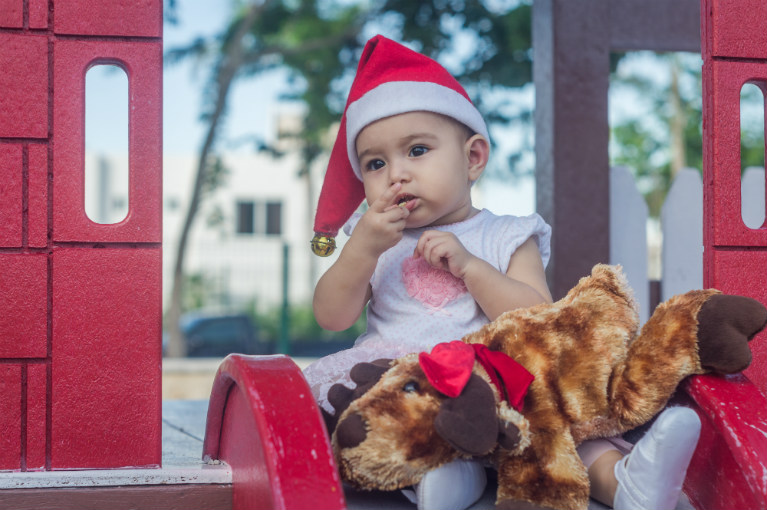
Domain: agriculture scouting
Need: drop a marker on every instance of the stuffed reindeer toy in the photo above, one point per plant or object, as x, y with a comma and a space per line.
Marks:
527, 388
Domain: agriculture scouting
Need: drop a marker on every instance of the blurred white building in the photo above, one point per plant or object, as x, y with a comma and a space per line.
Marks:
237, 241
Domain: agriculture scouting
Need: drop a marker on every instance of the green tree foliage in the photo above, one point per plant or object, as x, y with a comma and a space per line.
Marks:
662, 93
752, 126
659, 127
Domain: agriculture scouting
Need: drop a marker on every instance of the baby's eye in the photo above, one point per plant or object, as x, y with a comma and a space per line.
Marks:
375, 164
410, 387
418, 150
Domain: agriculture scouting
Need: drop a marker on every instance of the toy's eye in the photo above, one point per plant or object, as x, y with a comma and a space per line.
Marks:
410, 387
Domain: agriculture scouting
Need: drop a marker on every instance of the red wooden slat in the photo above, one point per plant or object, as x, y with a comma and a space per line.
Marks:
106, 364
137, 18
740, 28
36, 400
10, 417
23, 305
24, 85
11, 200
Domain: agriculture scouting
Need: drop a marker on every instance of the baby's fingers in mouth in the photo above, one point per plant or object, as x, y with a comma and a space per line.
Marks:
406, 201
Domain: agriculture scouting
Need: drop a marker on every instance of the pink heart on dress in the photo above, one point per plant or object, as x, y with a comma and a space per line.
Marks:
448, 367
433, 287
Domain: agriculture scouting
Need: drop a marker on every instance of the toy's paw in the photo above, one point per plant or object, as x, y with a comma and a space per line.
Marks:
340, 397
725, 326
515, 504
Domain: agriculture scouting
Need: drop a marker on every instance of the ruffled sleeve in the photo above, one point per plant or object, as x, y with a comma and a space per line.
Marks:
509, 233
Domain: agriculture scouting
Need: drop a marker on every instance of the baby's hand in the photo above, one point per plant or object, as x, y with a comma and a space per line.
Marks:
381, 226
443, 250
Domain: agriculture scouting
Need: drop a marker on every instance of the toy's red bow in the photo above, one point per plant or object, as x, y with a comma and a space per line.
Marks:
449, 365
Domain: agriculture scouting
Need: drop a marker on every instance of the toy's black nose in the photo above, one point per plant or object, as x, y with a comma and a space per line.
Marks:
351, 431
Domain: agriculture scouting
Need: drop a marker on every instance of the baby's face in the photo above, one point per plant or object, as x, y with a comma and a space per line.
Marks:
430, 155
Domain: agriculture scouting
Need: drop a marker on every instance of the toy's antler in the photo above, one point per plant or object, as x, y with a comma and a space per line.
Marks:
724, 322
339, 396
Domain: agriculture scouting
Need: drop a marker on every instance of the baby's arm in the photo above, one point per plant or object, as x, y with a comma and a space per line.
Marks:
344, 290
523, 284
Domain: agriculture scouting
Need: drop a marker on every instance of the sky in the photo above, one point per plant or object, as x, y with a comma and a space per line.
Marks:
253, 106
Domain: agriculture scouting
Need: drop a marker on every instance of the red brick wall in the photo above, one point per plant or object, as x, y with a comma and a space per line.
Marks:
80, 302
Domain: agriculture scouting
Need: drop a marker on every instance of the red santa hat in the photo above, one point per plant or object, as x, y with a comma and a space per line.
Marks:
391, 79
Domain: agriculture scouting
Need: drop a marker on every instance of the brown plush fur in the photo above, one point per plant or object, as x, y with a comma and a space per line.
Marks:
595, 376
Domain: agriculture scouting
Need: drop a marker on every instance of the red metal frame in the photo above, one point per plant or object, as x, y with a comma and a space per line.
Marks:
264, 422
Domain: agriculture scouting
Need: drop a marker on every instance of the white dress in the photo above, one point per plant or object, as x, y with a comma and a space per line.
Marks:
415, 306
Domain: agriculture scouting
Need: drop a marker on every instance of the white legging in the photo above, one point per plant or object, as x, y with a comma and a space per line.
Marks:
591, 450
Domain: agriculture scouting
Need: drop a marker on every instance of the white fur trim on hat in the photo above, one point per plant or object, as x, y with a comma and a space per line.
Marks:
395, 97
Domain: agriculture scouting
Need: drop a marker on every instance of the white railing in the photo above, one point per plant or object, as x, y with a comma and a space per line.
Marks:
681, 251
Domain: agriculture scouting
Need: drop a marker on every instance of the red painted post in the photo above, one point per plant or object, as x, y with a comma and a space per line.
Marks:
80, 302
735, 256
727, 470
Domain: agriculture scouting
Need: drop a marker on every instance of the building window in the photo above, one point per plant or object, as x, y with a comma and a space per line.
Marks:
274, 218
245, 218
256, 217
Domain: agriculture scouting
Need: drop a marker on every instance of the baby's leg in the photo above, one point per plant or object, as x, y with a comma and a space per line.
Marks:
600, 456
651, 476
454, 486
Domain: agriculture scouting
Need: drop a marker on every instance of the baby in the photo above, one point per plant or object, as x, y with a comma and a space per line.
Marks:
430, 267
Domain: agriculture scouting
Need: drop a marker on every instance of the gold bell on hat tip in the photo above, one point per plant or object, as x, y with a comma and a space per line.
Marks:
323, 245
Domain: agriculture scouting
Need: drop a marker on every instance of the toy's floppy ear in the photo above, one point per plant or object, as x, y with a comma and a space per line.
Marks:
468, 422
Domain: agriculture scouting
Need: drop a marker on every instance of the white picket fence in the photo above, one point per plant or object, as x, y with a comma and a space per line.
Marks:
681, 254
